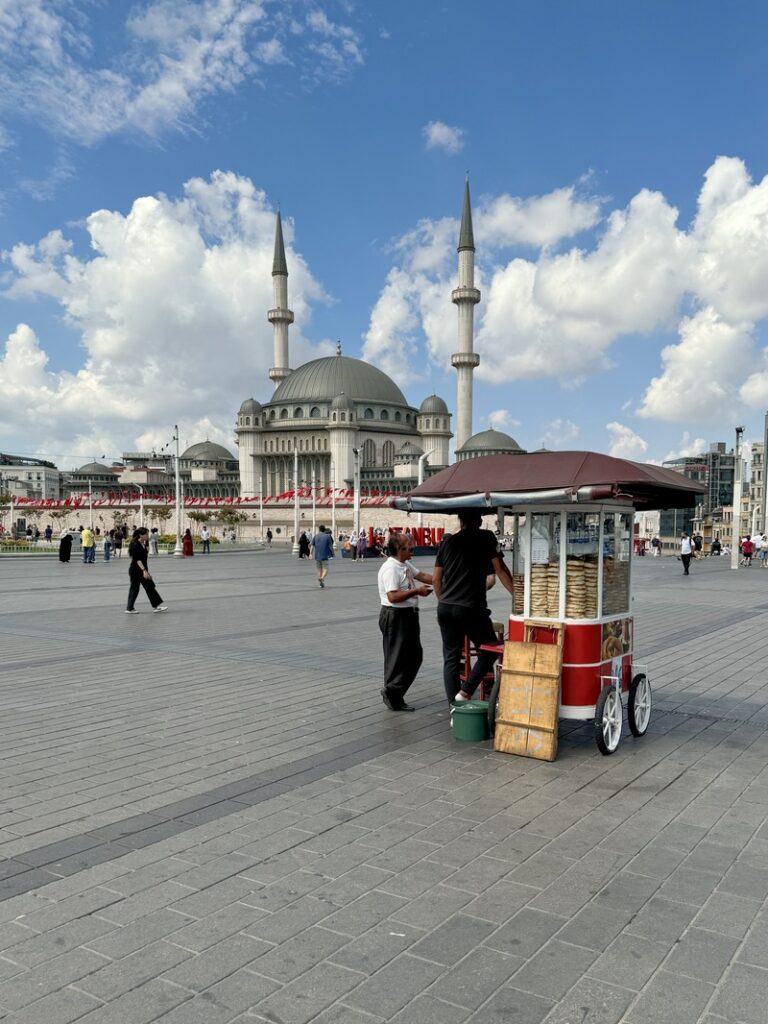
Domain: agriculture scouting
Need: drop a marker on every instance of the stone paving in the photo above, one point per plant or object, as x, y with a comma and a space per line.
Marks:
208, 816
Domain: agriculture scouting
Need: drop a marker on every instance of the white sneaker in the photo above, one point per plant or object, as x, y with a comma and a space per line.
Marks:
131, 611
161, 608
460, 698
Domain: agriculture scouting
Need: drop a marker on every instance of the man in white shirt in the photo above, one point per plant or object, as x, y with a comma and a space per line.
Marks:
400, 586
205, 537
686, 550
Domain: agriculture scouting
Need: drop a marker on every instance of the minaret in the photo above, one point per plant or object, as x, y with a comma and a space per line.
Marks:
280, 317
466, 297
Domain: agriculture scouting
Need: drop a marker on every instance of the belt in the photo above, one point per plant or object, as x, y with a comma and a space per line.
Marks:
391, 608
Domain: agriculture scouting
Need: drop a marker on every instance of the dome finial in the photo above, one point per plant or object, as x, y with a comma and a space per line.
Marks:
338, 347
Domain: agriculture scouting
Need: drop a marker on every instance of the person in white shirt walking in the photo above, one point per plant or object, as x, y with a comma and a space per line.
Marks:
400, 587
686, 550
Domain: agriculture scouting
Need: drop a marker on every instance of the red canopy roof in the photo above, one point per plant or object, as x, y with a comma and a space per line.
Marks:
558, 477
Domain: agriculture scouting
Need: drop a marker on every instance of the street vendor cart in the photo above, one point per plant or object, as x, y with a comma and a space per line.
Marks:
571, 516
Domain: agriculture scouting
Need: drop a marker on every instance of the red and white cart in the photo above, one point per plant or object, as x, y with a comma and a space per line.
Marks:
570, 516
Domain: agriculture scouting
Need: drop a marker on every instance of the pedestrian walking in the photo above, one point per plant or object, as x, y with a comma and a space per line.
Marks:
205, 537
322, 551
48, 534
698, 544
747, 549
117, 543
269, 538
656, 545
362, 546
107, 546
686, 550
303, 545
153, 545
65, 546
139, 575
187, 544
464, 561
400, 587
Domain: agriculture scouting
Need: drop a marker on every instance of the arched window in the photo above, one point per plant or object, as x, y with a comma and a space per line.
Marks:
255, 421
398, 417
388, 453
343, 417
368, 414
298, 413
384, 414
247, 421
369, 454
314, 413
283, 414
407, 417
271, 446
272, 414
334, 417
429, 424
301, 446
283, 445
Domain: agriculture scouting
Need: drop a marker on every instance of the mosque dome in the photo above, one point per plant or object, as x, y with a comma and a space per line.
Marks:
410, 450
207, 451
342, 402
96, 468
488, 442
433, 404
324, 379
250, 407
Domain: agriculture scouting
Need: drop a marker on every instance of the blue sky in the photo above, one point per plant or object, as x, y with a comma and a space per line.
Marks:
617, 156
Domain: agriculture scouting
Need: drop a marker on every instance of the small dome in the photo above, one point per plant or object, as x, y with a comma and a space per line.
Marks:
490, 442
342, 402
96, 467
208, 451
409, 448
434, 405
250, 407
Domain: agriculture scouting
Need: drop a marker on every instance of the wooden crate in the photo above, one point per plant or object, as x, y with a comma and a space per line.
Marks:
529, 694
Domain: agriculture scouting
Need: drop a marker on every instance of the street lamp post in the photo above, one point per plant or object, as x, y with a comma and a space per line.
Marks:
141, 504
333, 500
90, 505
295, 501
177, 551
261, 507
314, 507
420, 477
356, 496
736, 522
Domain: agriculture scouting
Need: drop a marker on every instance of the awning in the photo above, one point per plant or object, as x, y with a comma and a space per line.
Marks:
555, 478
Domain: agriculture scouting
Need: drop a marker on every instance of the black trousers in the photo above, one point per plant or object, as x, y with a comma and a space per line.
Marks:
401, 639
457, 622
686, 560
149, 586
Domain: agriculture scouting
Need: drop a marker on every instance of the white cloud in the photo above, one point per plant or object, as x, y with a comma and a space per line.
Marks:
560, 312
170, 308
439, 135
173, 55
501, 419
702, 372
688, 446
625, 443
559, 432
538, 220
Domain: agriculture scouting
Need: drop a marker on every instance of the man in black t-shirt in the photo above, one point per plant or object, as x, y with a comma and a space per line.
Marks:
460, 581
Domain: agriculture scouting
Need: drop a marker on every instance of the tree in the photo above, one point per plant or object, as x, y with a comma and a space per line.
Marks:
231, 518
200, 517
162, 513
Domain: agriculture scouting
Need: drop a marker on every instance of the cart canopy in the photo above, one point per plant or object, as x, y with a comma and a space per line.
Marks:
557, 478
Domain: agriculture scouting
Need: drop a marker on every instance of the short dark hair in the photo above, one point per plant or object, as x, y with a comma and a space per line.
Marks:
470, 518
393, 545
321, 528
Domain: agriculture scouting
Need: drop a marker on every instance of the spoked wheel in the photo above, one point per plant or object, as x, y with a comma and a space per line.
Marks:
493, 704
639, 704
608, 720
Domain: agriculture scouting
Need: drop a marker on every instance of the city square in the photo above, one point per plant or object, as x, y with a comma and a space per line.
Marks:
210, 816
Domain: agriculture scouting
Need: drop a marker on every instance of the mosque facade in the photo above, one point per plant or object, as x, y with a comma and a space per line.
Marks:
335, 414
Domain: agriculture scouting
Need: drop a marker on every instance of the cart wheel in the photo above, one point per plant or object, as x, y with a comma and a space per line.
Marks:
493, 705
608, 720
639, 704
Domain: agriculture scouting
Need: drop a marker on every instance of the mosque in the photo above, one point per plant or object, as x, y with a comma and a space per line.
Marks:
336, 412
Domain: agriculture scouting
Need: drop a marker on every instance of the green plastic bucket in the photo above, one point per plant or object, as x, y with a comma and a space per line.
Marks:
469, 720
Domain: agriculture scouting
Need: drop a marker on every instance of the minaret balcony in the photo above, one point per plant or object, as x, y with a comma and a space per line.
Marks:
465, 359
465, 295
280, 316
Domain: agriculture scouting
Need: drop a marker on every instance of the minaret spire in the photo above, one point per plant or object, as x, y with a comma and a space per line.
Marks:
280, 317
466, 297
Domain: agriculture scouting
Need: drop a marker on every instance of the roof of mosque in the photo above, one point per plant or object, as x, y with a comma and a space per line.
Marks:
490, 441
250, 405
208, 451
96, 467
324, 379
434, 404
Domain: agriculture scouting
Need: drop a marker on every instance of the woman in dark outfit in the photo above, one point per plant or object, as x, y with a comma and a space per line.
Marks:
303, 545
65, 547
138, 573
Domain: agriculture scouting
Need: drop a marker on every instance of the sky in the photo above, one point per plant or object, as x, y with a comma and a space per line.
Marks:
618, 162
